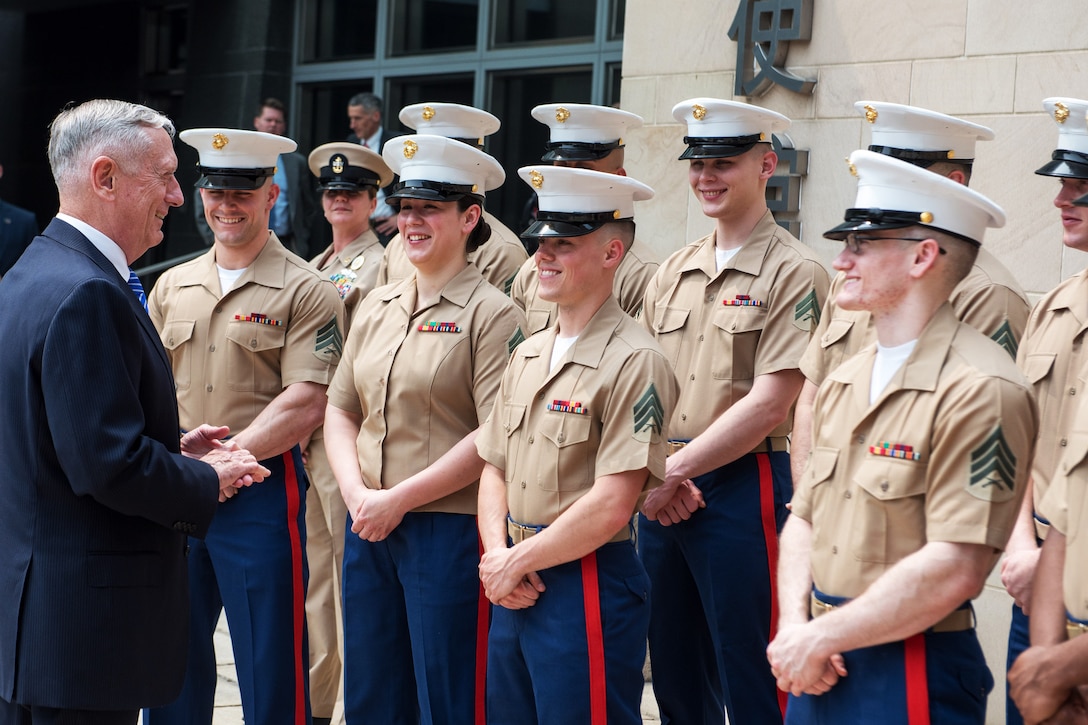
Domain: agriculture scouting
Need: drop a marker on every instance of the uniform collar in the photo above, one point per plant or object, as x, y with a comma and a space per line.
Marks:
268, 269
1071, 297
750, 257
357, 246
457, 291
589, 348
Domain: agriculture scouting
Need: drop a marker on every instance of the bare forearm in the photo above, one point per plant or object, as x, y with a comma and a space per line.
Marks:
1023, 532
1048, 605
910, 597
492, 508
794, 572
290, 417
341, 431
456, 468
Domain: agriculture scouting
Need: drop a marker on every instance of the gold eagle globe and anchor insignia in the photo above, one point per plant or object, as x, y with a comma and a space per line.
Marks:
562, 114
428, 113
219, 141
1061, 112
536, 179
698, 112
410, 148
870, 114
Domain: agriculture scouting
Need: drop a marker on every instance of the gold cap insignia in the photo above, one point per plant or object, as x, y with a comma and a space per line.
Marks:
851, 168
475, 188
562, 114
338, 163
951, 153
616, 214
698, 112
762, 136
428, 113
536, 179
1061, 112
870, 114
410, 148
219, 141
925, 217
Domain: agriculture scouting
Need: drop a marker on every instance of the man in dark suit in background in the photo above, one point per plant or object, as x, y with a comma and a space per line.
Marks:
365, 119
17, 227
296, 206
98, 491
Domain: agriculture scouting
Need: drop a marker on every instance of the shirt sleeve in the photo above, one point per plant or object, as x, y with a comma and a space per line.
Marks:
792, 318
315, 337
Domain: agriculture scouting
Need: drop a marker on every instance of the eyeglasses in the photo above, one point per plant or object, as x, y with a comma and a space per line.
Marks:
854, 243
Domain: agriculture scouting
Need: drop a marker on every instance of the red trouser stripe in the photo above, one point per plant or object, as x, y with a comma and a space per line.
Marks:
914, 655
591, 600
298, 589
770, 540
483, 622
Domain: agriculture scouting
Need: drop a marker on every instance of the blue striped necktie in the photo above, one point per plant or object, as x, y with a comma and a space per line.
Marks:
137, 288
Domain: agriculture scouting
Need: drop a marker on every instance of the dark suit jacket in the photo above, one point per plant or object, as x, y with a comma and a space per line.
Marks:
17, 227
96, 501
301, 204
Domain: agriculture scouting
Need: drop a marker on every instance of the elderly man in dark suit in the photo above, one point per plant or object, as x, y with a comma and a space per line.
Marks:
98, 491
17, 227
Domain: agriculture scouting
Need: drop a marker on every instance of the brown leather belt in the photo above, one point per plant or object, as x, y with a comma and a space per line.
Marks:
958, 621
1074, 629
520, 532
777, 444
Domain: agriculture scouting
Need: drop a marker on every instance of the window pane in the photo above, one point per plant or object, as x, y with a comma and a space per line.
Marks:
521, 139
424, 26
617, 16
543, 21
613, 77
339, 29
401, 92
324, 112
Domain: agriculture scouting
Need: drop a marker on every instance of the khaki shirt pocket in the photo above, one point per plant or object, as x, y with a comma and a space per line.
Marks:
739, 329
668, 326
821, 466
1037, 366
254, 360
890, 522
175, 334
566, 460
512, 415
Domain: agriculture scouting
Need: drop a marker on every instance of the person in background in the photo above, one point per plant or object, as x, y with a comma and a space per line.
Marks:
17, 227
365, 120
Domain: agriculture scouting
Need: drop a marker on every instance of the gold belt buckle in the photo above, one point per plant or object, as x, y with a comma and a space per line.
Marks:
818, 608
673, 446
1074, 629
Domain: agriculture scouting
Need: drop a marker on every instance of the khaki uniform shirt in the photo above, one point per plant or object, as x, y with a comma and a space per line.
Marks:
988, 299
629, 287
1051, 356
498, 259
424, 380
719, 330
1065, 506
233, 353
354, 270
603, 410
943, 455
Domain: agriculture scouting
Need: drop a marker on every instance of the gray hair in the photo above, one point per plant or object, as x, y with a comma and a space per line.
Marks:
102, 127
368, 101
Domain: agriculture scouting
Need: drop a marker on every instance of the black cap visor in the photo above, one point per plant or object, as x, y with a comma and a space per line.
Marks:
1064, 163
567, 224
432, 191
923, 159
578, 150
352, 178
718, 148
232, 179
873, 220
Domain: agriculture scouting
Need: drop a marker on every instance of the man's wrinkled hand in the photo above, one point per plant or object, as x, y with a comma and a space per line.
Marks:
236, 469
671, 508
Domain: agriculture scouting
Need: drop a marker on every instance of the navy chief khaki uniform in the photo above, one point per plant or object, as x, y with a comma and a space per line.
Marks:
940, 454
576, 655
415, 617
339, 167
233, 352
714, 575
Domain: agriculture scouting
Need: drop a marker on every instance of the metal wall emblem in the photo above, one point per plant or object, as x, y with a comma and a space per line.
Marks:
762, 30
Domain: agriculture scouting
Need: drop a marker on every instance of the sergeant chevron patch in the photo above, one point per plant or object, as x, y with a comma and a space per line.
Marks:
806, 313
508, 285
329, 343
649, 416
1004, 337
993, 469
516, 339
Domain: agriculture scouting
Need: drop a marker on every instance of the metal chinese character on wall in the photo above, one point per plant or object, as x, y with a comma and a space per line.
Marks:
784, 187
762, 30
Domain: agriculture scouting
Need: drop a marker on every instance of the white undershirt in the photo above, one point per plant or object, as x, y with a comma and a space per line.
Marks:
887, 364
559, 349
722, 256
227, 278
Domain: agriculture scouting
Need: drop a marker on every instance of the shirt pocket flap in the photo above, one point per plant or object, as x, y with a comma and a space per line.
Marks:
512, 416
565, 429
177, 332
1038, 365
821, 465
256, 337
738, 320
669, 319
887, 479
